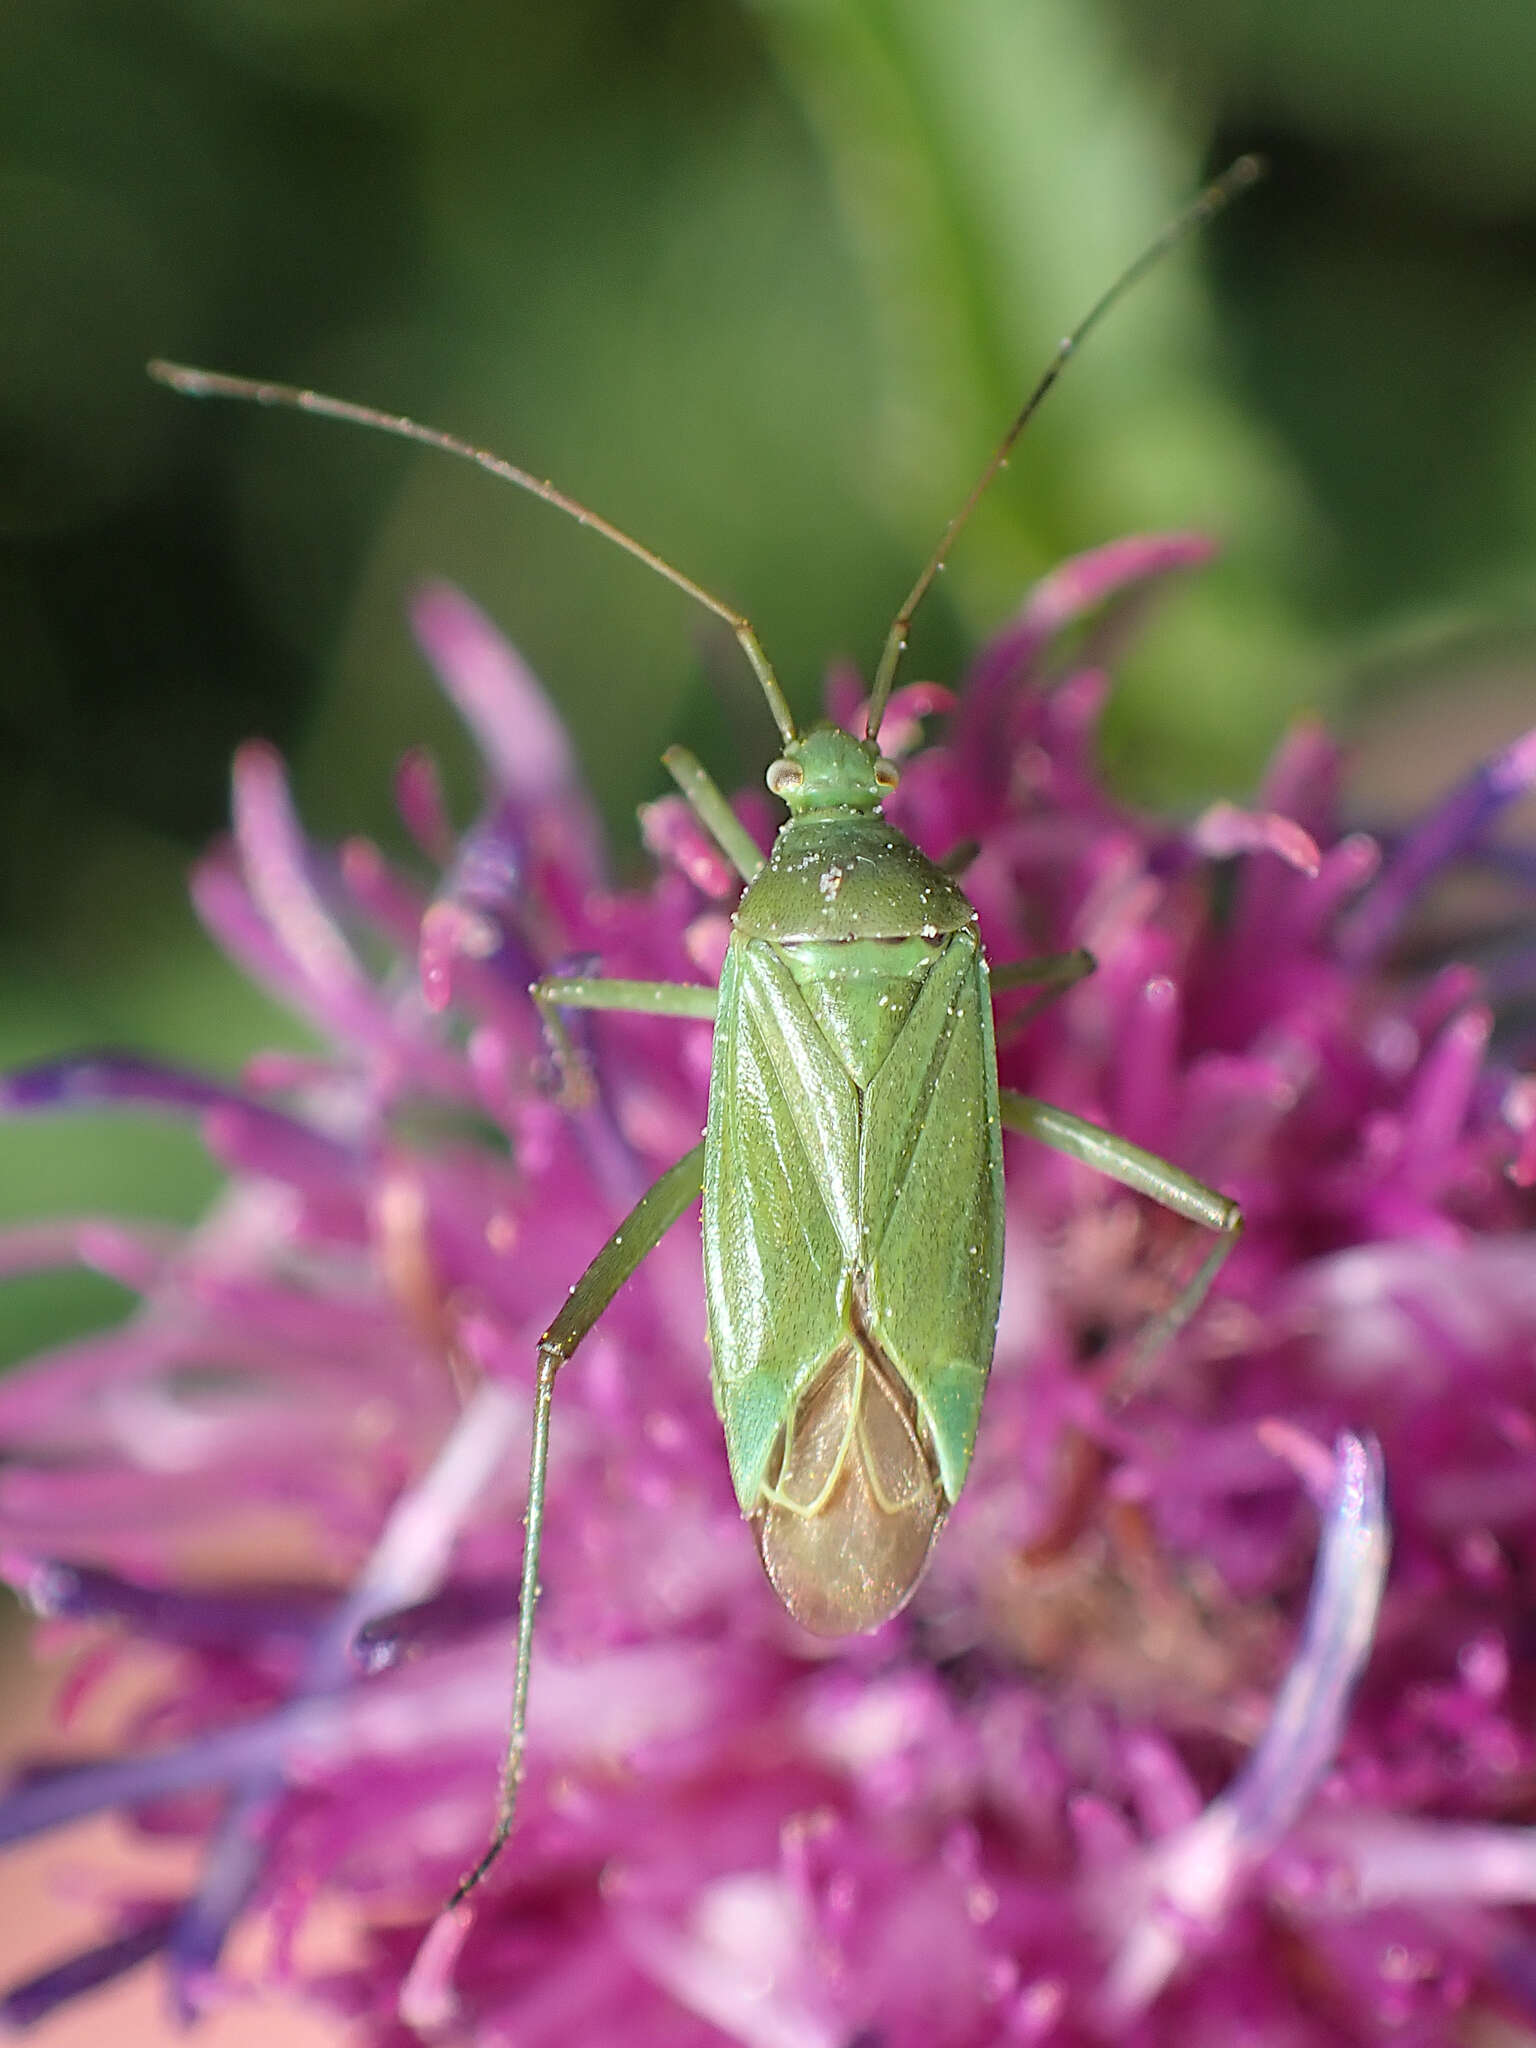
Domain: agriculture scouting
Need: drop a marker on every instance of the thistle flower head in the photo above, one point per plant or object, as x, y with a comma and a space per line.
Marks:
1158, 1753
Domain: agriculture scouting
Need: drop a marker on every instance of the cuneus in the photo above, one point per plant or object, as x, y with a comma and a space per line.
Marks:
851, 1166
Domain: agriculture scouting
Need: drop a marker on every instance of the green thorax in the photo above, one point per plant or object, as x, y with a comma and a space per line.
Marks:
855, 911
838, 870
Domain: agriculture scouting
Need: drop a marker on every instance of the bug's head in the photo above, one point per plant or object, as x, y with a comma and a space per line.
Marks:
827, 769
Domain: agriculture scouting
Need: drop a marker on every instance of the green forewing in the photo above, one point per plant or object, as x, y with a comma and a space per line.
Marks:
817, 1192
775, 1261
933, 1201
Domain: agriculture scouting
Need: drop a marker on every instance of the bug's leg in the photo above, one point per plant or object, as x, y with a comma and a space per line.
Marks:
706, 800
1050, 976
557, 992
1051, 971
959, 857
1148, 1175
641, 1231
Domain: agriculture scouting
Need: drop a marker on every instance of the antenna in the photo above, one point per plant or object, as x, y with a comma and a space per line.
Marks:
1234, 180
214, 384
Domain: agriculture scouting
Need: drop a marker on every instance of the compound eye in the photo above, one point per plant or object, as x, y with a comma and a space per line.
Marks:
784, 777
887, 774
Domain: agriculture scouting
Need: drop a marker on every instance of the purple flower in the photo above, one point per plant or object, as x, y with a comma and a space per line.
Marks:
1148, 1759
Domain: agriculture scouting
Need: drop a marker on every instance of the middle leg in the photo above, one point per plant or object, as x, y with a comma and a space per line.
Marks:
1050, 975
557, 992
1143, 1171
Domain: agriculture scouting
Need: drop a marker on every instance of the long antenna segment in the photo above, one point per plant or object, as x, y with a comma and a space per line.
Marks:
1235, 179
193, 383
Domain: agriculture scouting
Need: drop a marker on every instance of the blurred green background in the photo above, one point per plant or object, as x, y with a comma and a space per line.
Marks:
762, 282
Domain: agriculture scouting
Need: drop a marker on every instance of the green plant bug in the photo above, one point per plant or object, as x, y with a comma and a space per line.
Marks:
851, 1166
